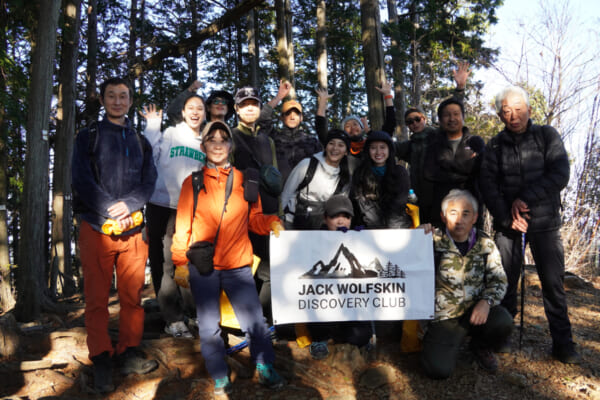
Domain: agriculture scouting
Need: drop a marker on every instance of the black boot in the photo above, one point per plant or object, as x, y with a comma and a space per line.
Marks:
103, 373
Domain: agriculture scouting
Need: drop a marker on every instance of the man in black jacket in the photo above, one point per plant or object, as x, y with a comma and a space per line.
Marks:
451, 160
523, 171
292, 142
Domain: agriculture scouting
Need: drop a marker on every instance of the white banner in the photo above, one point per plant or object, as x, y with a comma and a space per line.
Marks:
319, 276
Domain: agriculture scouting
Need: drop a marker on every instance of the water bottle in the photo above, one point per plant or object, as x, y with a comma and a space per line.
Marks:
412, 209
412, 197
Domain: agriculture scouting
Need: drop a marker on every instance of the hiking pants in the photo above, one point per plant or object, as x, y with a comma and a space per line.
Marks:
239, 286
100, 254
174, 301
548, 255
442, 340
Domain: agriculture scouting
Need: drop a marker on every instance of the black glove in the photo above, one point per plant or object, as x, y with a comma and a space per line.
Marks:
476, 144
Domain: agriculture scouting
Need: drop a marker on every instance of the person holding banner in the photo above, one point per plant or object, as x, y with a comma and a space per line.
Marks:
469, 285
380, 186
222, 190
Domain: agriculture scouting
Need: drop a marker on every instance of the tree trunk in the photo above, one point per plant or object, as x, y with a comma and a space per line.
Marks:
131, 56
92, 104
34, 247
283, 62
373, 56
7, 300
65, 131
194, 53
290, 46
415, 94
321, 44
252, 49
397, 76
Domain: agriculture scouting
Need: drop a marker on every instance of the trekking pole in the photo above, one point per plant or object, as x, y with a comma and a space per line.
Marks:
522, 288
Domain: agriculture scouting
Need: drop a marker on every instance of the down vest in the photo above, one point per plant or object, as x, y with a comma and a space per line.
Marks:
532, 166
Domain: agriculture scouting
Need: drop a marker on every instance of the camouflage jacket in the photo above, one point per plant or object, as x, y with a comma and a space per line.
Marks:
461, 281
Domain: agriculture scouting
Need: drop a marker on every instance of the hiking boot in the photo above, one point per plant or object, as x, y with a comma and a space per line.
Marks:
318, 350
223, 386
179, 330
566, 354
486, 359
132, 361
504, 347
103, 373
267, 376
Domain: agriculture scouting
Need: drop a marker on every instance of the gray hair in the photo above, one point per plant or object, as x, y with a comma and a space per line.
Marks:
507, 91
456, 194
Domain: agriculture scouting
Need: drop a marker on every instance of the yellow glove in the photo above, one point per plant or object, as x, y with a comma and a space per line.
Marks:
276, 227
111, 227
181, 276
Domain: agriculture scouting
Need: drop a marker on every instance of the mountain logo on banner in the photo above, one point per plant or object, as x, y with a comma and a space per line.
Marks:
344, 264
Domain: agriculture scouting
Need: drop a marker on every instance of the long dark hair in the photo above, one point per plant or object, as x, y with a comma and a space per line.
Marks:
387, 190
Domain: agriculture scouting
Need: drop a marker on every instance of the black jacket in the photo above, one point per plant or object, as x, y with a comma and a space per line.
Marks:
292, 146
532, 166
445, 170
380, 202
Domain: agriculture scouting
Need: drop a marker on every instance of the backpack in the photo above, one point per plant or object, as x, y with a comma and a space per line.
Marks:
78, 205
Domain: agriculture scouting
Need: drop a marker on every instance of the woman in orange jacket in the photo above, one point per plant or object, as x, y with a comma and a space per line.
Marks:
232, 258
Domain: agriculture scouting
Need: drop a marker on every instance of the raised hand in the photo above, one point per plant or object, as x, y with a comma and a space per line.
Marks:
461, 74
151, 112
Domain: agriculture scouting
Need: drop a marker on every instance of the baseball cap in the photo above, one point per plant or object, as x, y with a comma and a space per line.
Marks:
247, 92
338, 203
288, 105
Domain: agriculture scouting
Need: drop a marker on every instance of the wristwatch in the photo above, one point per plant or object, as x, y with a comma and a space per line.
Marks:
490, 302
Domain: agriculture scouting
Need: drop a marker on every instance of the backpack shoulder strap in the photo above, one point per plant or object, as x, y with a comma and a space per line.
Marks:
197, 185
310, 173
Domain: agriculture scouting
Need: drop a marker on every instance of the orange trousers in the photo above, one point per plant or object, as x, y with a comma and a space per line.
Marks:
100, 254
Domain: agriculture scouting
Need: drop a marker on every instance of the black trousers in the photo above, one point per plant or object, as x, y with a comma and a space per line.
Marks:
173, 300
548, 254
442, 341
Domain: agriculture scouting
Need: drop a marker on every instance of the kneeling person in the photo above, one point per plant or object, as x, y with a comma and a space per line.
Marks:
469, 285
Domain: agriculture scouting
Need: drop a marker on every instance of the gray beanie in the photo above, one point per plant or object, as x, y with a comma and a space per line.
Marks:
351, 117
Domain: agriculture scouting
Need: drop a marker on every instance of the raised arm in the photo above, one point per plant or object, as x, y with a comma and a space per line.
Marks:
389, 124
176, 105
321, 118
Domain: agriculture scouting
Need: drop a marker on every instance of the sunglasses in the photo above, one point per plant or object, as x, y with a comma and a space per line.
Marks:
293, 110
411, 120
219, 101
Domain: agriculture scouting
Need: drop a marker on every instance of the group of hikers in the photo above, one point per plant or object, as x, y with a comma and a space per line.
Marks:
200, 199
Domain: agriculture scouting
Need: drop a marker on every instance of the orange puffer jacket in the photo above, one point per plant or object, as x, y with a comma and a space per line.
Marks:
233, 249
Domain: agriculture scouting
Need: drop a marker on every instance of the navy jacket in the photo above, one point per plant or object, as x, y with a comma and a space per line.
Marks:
125, 172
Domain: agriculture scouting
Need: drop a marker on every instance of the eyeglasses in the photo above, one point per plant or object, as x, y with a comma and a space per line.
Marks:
411, 120
219, 101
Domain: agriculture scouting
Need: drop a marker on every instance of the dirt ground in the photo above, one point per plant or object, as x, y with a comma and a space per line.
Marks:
52, 363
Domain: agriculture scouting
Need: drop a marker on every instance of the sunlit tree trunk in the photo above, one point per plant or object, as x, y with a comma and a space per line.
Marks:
373, 56
284, 62
321, 44
33, 250
7, 300
65, 131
